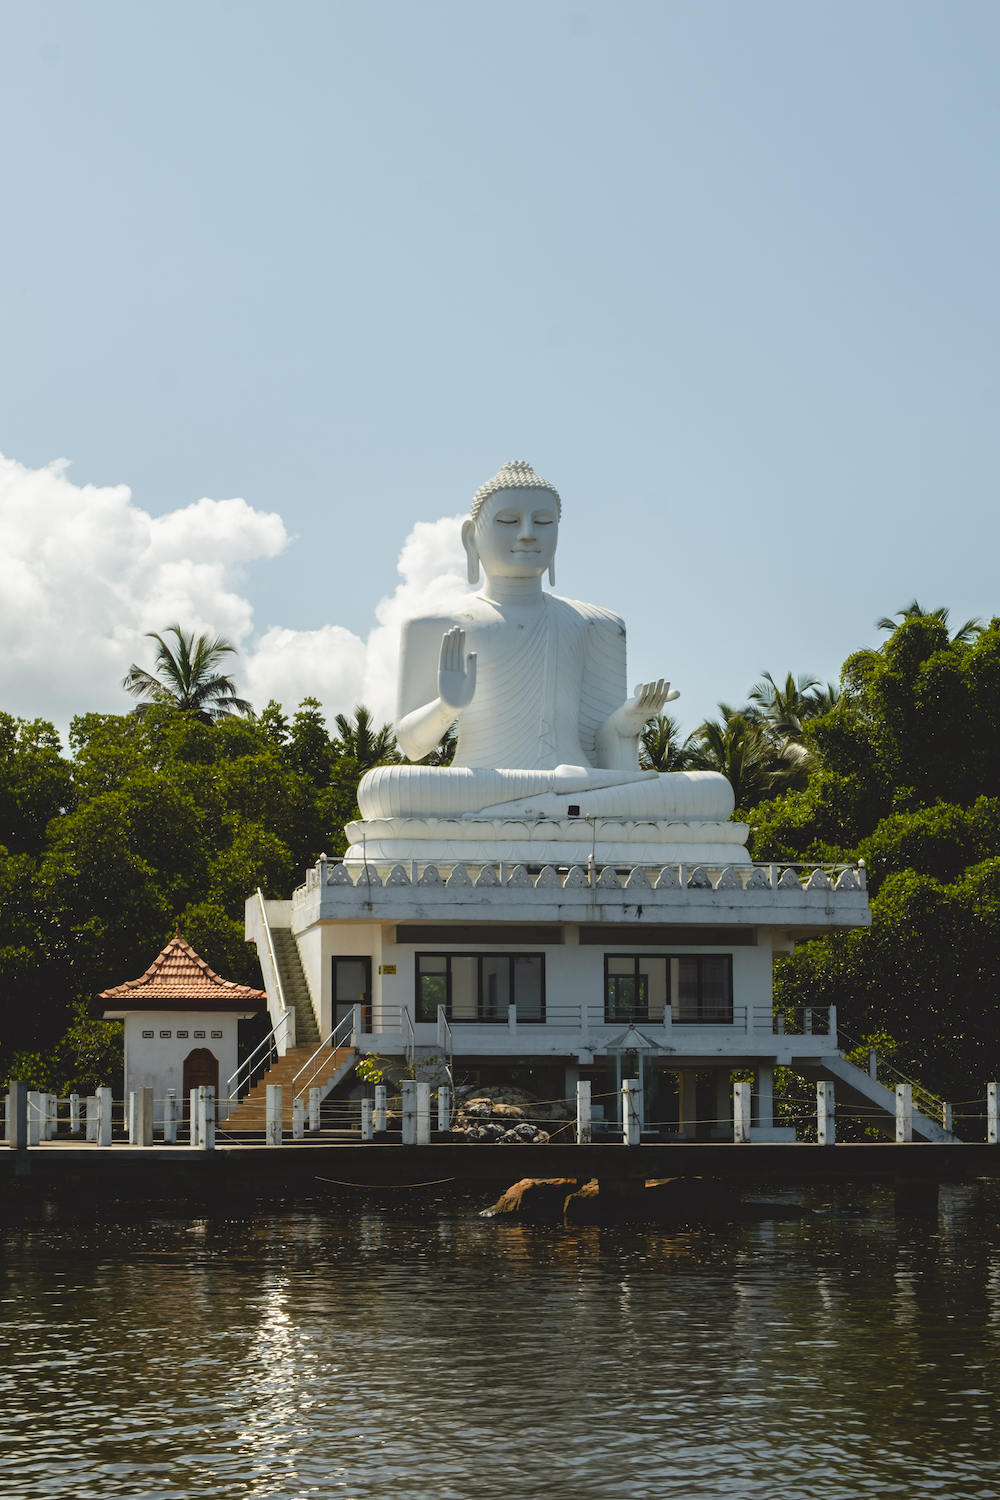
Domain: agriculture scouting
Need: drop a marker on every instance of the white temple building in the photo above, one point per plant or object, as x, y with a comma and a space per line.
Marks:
543, 904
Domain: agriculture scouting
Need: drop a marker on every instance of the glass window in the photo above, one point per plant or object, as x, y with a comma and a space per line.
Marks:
481, 986
698, 989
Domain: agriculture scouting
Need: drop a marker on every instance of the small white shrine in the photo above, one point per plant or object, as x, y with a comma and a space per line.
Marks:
542, 894
181, 1025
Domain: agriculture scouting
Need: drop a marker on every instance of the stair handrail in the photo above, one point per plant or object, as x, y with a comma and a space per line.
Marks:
446, 1039
279, 987
248, 1062
347, 1027
918, 1088
410, 1043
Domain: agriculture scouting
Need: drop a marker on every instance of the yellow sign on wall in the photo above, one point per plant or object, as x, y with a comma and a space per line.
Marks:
387, 968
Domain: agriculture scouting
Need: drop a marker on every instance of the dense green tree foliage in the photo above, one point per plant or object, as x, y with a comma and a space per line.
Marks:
151, 822
908, 778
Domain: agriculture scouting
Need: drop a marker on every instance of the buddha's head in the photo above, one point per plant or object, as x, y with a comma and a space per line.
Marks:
514, 525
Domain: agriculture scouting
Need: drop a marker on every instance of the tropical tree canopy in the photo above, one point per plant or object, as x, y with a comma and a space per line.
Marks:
361, 740
186, 675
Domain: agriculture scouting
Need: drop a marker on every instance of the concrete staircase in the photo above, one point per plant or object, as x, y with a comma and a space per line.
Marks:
853, 1086
329, 1068
295, 988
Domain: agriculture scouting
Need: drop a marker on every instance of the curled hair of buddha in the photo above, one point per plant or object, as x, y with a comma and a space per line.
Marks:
516, 475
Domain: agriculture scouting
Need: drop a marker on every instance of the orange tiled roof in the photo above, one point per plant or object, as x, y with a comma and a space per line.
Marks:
179, 979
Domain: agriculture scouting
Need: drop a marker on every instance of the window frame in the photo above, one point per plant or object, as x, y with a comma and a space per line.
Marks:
479, 1019
641, 1016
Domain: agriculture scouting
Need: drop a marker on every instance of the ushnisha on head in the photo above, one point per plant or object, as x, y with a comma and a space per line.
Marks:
514, 525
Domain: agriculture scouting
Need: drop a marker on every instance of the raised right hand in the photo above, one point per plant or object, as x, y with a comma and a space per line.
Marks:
456, 671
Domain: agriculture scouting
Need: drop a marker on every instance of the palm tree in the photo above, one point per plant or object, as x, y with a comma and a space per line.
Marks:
914, 611
660, 747
786, 708
368, 746
742, 747
186, 676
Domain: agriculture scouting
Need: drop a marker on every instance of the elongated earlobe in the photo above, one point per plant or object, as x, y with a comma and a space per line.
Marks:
552, 574
472, 556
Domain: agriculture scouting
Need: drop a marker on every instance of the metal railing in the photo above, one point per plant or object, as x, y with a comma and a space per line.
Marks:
445, 1038
265, 1049
803, 1020
272, 958
342, 1035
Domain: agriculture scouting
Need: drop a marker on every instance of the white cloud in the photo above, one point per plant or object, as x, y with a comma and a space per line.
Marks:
84, 573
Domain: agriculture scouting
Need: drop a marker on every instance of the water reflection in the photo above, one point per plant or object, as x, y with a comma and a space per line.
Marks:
355, 1351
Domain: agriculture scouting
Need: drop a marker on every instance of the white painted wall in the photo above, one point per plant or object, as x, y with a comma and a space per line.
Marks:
157, 1061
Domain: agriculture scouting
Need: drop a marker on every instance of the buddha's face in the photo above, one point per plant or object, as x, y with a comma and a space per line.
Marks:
515, 533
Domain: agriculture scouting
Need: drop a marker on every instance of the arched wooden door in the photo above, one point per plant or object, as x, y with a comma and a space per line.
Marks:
201, 1069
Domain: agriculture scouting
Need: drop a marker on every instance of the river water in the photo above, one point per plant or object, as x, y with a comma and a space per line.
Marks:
366, 1348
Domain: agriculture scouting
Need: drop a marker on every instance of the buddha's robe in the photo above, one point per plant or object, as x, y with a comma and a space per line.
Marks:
548, 678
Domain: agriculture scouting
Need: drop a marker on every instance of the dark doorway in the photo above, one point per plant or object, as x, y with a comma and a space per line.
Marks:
201, 1070
352, 985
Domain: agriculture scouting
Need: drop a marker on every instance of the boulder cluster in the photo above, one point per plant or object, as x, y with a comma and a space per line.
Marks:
507, 1114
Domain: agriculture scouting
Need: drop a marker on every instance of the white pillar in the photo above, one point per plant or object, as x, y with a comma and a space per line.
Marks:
298, 1119
444, 1108
91, 1118
408, 1089
946, 1117
765, 1096
991, 1114
34, 1117
273, 1119
74, 1114
687, 1102
583, 1114
423, 1114
17, 1116
512, 1018
873, 1064
741, 1112
170, 1118
367, 1108
50, 1115
314, 1103
826, 1115
379, 1120
104, 1117
631, 1114
904, 1113
193, 1116
207, 1123
133, 1118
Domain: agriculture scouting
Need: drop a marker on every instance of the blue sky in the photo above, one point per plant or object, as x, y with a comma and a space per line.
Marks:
726, 273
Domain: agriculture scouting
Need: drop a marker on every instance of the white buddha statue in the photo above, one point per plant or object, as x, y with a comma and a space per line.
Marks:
547, 734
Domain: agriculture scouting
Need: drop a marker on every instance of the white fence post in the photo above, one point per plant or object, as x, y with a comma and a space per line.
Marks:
170, 1118
826, 1115
74, 1114
298, 1119
584, 1129
741, 1112
17, 1116
133, 1118
357, 1026
104, 1117
314, 1102
631, 1117
193, 1121
366, 1119
91, 1121
34, 1117
408, 1089
444, 1107
273, 1120
991, 1114
423, 1114
208, 1118
51, 1115
946, 1116
904, 1113
512, 1018
380, 1099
